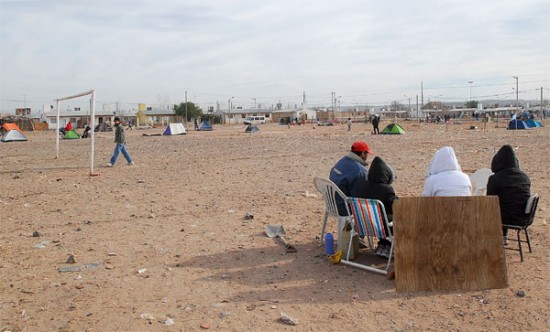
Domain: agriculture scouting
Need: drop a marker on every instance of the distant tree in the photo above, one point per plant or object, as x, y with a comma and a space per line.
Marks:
472, 104
193, 111
396, 106
212, 118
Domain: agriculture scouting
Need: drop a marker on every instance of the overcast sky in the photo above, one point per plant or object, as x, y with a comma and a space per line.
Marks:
366, 51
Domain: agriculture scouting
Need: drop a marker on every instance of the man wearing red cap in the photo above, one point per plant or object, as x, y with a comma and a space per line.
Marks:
350, 172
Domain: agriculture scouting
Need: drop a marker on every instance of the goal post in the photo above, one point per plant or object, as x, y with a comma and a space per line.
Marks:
92, 124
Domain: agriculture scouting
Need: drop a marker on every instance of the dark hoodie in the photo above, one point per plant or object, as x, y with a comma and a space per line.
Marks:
511, 185
378, 186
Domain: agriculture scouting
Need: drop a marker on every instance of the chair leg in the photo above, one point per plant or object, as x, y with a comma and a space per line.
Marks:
324, 227
519, 244
528, 240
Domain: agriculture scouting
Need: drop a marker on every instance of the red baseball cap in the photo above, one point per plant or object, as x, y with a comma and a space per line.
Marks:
361, 146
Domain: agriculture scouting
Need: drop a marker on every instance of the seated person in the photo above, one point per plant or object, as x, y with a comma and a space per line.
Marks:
511, 185
350, 171
445, 177
378, 186
68, 127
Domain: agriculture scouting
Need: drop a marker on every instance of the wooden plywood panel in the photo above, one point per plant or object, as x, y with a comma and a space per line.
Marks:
448, 243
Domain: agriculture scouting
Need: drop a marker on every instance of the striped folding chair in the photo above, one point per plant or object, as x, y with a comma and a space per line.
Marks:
370, 220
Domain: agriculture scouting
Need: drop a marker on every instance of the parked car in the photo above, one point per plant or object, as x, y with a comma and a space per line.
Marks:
259, 119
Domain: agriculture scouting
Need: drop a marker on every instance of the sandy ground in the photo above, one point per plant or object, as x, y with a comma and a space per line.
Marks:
164, 245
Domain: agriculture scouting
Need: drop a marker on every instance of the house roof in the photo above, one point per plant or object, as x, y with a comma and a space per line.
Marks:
155, 112
77, 114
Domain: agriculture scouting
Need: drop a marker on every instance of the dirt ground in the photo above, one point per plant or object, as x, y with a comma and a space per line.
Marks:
164, 245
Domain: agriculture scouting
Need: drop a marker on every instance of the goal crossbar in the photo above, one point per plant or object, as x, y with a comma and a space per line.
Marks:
92, 124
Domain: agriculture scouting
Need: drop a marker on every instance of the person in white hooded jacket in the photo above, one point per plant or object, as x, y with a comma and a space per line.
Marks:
445, 178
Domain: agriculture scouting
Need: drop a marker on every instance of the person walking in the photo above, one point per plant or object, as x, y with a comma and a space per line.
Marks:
375, 123
120, 140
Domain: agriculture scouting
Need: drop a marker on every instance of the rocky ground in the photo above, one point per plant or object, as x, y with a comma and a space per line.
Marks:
165, 245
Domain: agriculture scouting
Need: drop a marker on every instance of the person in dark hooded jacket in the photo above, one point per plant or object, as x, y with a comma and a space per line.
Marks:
511, 185
380, 177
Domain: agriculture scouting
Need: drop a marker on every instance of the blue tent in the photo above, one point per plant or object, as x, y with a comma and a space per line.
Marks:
252, 129
205, 126
532, 123
517, 124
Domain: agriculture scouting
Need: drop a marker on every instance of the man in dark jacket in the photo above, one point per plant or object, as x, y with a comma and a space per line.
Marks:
511, 185
378, 186
349, 172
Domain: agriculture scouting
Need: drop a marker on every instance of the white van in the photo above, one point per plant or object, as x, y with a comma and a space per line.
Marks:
255, 119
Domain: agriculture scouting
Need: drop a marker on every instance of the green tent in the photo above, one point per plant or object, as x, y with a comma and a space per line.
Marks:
71, 134
393, 129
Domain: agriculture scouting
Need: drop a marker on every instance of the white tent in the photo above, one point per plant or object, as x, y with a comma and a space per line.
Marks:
13, 135
175, 129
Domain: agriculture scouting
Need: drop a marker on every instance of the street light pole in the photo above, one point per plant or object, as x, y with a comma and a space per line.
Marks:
517, 94
470, 82
229, 108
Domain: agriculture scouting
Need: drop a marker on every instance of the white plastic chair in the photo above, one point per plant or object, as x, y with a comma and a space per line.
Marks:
479, 181
330, 191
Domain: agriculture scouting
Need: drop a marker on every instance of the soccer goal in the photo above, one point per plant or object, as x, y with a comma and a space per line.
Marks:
92, 124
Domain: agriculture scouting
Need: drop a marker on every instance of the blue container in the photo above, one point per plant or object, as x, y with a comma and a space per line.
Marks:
329, 244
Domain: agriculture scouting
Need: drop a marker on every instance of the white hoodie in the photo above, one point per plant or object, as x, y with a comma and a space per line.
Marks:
445, 177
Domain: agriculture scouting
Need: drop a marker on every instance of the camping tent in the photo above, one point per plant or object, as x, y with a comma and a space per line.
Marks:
205, 126
252, 129
517, 124
12, 133
175, 129
71, 134
532, 123
393, 129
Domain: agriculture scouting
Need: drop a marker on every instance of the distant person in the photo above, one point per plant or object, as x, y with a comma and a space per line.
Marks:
120, 141
511, 185
375, 123
349, 124
68, 127
380, 177
350, 172
196, 123
86, 133
445, 177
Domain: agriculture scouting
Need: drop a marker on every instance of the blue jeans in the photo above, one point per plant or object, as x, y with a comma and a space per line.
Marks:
120, 147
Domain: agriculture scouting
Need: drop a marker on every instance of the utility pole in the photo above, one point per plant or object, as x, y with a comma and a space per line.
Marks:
422, 94
333, 104
470, 82
409, 102
541, 100
417, 114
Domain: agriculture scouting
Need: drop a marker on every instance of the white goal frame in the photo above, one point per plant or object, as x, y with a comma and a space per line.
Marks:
92, 125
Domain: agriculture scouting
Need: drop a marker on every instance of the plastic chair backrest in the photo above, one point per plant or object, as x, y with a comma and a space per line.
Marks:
330, 191
479, 180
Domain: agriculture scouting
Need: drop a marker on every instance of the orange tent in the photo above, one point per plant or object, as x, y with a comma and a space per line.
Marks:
11, 126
